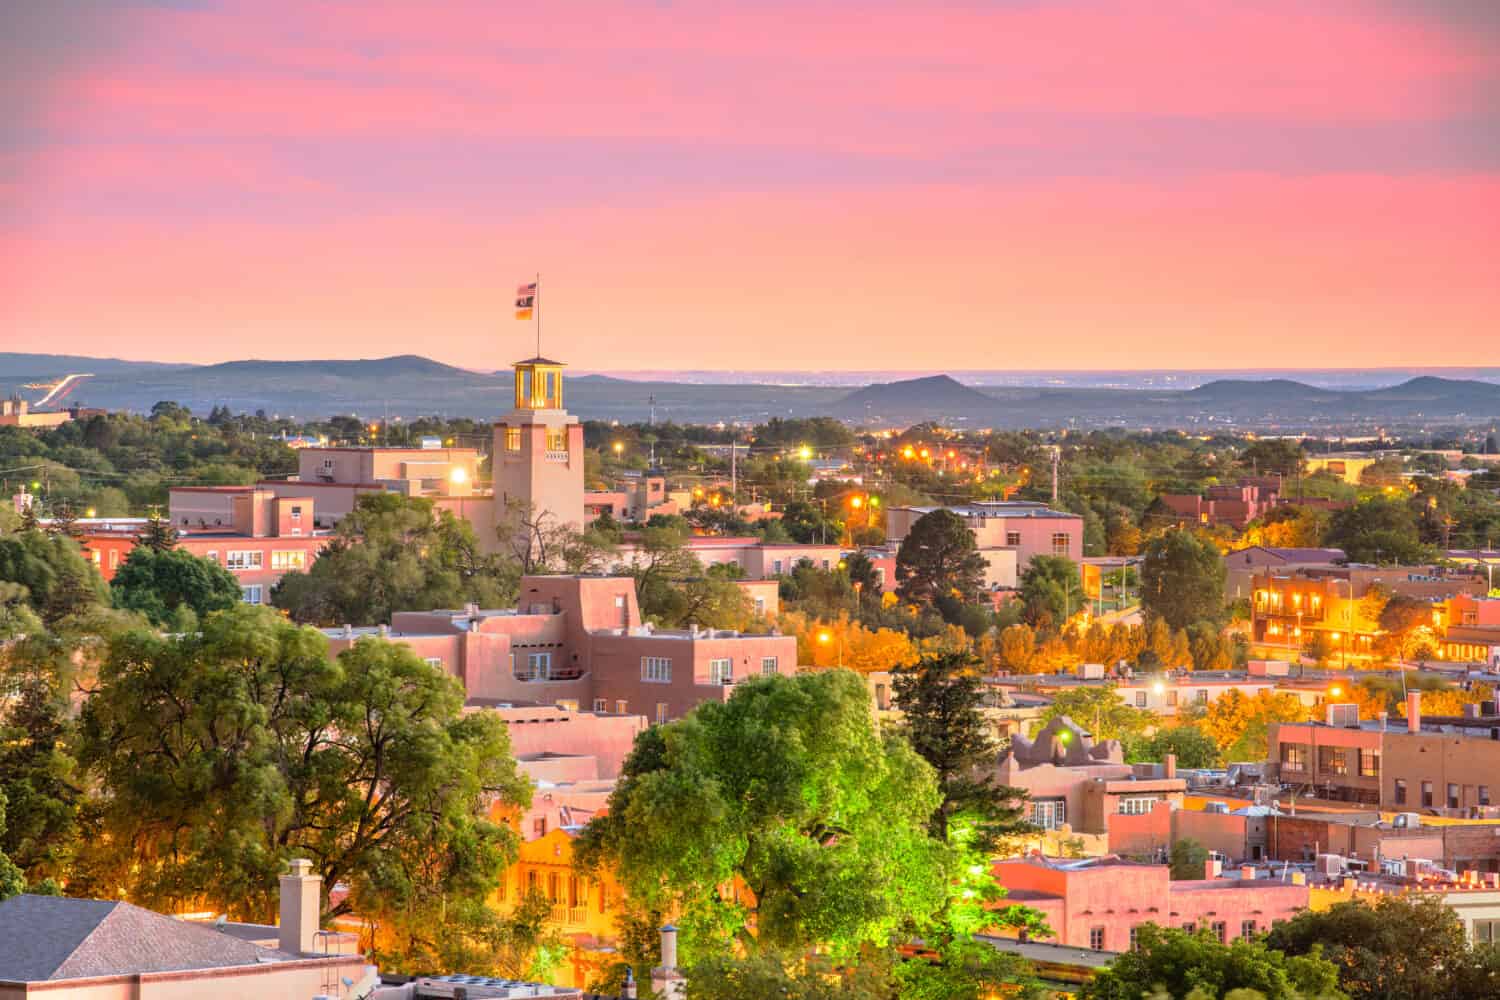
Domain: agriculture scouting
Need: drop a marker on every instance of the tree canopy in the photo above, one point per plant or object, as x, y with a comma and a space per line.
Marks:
394, 553
938, 558
1182, 965
788, 792
221, 754
156, 583
1182, 579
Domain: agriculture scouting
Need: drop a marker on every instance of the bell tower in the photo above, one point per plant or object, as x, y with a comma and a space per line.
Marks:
537, 454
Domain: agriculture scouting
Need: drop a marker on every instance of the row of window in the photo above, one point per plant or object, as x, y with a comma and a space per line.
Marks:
246, 559
1454, 798
1061, 541
1331, 760
658, 669
622, 707
1200, 697
1099, 936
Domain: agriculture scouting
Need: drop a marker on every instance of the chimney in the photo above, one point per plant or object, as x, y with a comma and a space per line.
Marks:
666, 981
1384, 718
1169, 766
1414, 712
300, 892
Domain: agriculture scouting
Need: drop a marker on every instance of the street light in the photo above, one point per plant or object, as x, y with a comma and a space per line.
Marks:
458, 476
826, 637
619, 447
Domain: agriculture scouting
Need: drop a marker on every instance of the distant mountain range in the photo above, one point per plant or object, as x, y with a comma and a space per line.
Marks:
410, 385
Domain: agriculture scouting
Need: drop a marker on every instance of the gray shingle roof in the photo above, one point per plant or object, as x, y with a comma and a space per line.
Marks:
53, 937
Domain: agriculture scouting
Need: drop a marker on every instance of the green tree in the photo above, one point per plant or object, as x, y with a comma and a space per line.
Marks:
1271, 456
38, 773
938, 557
1379, 530
1051, 590
12, 879
941, 701
59, 582
519, 944
158, 534
1189, 860
1189, 743
1397, 946
394, 553
1099, 710
789, 788
157, 583
1182, 579
221, 754
1181, 965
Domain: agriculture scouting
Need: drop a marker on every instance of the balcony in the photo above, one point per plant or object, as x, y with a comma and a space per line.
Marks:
560, 457
572, 916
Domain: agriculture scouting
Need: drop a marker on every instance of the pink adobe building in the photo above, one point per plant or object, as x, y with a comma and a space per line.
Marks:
1074, 784
1235, 505
1098, 903
578, 642
1009, 533
255, 534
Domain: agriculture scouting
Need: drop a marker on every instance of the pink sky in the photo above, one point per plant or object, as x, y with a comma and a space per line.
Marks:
1010, 184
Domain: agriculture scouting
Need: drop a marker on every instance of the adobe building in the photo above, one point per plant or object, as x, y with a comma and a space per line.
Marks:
1072, 782
1099, 903
536, 459
1242, 565
578, 642
1446, 766
1008, 533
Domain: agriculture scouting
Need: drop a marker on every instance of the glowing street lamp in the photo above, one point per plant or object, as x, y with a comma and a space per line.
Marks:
804, 453
826, 637
619, 447
458, 476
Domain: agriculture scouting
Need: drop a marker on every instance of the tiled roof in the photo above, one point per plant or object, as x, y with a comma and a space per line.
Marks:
53, 937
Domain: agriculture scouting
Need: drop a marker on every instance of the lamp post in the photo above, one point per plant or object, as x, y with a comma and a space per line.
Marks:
826, 637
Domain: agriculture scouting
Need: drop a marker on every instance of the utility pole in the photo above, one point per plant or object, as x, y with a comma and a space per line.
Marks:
1056, 457
734, 474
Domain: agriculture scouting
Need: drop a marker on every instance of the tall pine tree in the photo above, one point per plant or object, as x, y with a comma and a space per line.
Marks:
942, 701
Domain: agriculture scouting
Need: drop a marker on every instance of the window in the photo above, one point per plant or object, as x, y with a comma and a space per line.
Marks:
557, 439
1061, 541
661, 713
1426, 795
1201, 696
1220, 930
538, 666
532, 880
296, 510
243, 559
622, 610
1294, 756
1487, 932
656, 669
1484, 795
1137, 805
769, 666
1400, 791
1333, 760
114, 558
251, 594
1452, 796
776, 566
721, 671
1369, 763
760, 606
1096, 938
1049, 814
289, 559
211, 556
600, 704
1135, 934
512, 439
1247, 928
622, 707
1190, 928
1013, 538
1140, 699
433, 661
1172, 699
539, 827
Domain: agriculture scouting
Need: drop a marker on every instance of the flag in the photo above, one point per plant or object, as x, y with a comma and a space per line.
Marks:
525, 300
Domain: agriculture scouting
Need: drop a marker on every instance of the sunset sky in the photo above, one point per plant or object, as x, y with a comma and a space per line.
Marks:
763, 185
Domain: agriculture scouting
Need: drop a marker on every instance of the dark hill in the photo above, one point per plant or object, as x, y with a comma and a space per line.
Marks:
400, 365
913, 399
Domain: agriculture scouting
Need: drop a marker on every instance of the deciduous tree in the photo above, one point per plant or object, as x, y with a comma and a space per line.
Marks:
156, 583
1182, 579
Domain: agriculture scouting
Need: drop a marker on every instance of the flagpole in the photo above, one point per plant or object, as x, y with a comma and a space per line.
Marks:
539, 314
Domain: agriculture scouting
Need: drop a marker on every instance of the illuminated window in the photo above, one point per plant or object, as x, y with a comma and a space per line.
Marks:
557, 440
1294, 756
1061, 540
512, 439
244, 559
289, 559
1369, 763
661, 713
